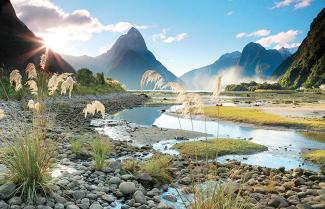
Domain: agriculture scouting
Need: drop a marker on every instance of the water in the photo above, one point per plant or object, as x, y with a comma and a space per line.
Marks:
284, 146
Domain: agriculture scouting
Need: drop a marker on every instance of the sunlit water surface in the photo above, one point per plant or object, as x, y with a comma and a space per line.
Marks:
284, 146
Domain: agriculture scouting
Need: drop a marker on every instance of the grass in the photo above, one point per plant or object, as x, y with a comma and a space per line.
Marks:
100, 148
317, 136
98, 89
214, 196
130, 166
77, 146
28, 161
258, 117
317, 156
157, 167
274, 91
214, 147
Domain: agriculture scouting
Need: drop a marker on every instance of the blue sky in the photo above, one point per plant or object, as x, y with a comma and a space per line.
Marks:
183, 34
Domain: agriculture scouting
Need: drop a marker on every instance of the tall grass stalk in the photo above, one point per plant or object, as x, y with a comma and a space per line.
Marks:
28, 160
100, 148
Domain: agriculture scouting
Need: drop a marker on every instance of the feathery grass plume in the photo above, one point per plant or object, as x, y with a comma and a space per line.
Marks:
31, 71
217, 88
2, 113
174, 86
15, 78
43, 61
67, 85
197, 104
151, 76
32, 86
53, 84
37, 107
92, 108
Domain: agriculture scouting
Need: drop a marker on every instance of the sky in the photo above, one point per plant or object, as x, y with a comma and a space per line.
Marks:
182, 34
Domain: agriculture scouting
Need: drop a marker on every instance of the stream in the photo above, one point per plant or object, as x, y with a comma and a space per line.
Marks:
284, 146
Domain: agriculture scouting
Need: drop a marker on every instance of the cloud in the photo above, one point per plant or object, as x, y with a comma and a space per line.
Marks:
258, 33
104, 49
302, 4
122, 27
282, 39
230, 13
298, 4
162, 36
46, 19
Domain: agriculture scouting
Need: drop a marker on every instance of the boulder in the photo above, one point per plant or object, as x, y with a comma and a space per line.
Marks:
7, 190
139, 197
127, 188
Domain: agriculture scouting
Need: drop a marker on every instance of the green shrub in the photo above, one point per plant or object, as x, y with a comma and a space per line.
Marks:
157, 167
100, 148
77, 146
28, 161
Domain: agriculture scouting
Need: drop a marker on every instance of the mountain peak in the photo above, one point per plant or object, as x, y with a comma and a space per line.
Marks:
132, 40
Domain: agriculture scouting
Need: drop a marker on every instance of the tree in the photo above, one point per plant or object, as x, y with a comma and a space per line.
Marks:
85, 77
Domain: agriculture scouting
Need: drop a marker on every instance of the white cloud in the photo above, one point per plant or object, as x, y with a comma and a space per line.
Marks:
302, 4
282, 3
122, 27
162, 36
258, 33
298, 4
230, 13
46, 20
104, 49
282, 39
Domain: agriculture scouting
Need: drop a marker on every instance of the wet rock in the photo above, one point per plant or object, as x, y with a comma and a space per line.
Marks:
170, 198
127, 188
115, 180
15, 201
139, 197
79, 194
277, 201
109, 198
95, 206
3, 205
7, 190
186, 180
304, 206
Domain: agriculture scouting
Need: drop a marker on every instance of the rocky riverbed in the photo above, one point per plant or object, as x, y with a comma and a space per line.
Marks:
76, 184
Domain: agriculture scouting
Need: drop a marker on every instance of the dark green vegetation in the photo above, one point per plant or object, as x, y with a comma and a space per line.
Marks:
252, 86
98, 84
218, 147
307, 66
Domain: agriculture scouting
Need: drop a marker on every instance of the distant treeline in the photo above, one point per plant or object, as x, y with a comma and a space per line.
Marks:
253, 86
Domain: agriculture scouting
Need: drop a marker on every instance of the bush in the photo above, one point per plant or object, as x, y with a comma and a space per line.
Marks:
85, 77
100, 148
28, 161
131, 166
215, 196
157, 167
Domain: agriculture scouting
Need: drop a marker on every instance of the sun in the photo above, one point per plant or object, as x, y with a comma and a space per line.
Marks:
56, 43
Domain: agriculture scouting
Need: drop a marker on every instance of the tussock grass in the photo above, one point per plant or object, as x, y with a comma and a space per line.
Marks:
28, 161
131, 166
258, 117
214, 147
214, 196
317, 156
77, 146
100, 148
157, 167
317, 136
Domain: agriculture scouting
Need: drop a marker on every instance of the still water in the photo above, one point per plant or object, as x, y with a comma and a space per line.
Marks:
284, 146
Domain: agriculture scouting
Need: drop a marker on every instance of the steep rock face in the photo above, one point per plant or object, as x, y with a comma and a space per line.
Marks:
126, 61
19, 46
256, 60
307, 67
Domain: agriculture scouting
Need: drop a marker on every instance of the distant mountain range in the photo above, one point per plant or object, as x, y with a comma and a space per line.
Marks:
126, 61
254, 61
19, 46
307, 66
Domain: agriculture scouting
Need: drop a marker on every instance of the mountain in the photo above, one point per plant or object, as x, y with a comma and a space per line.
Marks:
256, 60
19, 46
126, 61
307, 66
193, 78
